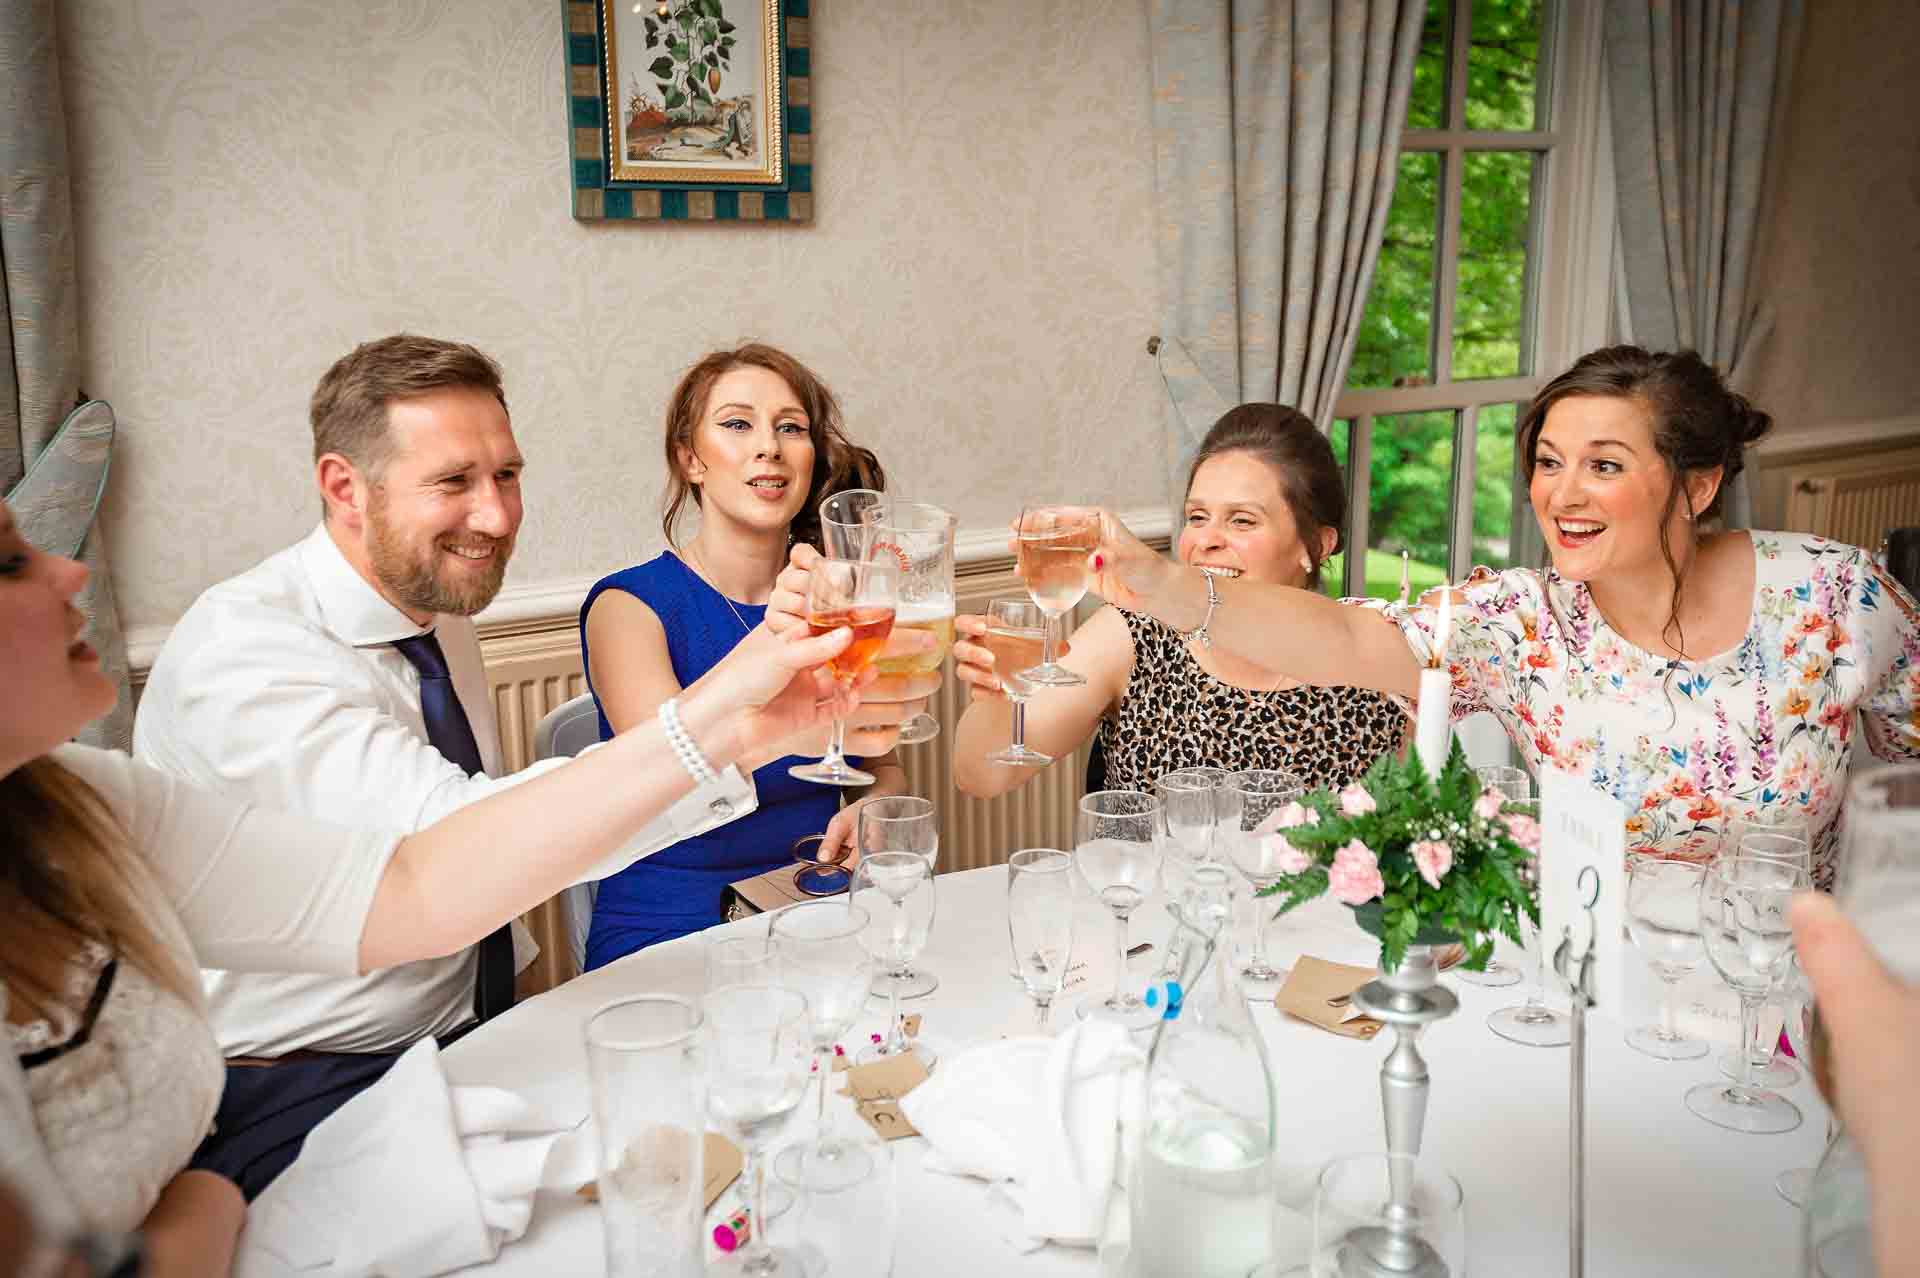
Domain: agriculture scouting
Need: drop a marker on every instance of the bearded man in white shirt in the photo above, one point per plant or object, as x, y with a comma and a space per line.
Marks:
300, 684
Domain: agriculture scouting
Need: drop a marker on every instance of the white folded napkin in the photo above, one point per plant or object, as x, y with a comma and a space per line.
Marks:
1043, 1115
411, 1177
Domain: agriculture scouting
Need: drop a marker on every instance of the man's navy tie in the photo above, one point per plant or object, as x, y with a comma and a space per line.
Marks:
449, 732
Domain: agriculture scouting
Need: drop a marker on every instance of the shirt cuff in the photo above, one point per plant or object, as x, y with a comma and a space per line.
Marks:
728, 797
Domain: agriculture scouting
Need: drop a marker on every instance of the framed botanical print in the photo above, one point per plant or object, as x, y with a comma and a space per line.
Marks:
690, 110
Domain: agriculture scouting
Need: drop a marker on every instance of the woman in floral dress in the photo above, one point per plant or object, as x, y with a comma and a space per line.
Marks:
1697, 677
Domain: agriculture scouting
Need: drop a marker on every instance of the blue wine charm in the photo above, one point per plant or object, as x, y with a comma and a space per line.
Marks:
1166, 992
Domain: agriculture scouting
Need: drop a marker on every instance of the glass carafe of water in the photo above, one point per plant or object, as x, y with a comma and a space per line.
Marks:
1201, 1198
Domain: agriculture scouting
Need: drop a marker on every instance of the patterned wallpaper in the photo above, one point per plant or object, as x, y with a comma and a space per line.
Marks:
260, 185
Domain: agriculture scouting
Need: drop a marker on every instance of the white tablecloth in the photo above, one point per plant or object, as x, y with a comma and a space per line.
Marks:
1667, 1193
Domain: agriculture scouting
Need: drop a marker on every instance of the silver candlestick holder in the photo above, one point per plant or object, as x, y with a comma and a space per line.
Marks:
1409, 999
1577, 971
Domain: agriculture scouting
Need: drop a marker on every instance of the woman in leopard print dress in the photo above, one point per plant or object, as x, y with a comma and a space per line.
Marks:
1266, 501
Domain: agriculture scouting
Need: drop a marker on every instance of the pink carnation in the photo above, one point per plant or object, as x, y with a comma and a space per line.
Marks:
1294, 814
1289, 859
1354, 877
1355, 801
1434, 857
1524, 830
1487, 806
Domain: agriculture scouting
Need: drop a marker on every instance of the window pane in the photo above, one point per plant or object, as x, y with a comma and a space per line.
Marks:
1409, 501
1427, 104
1395, 344
1333, 569
1490, 311
1503, 60
1499, 495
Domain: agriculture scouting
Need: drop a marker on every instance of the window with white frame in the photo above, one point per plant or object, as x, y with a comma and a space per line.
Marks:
1493, 275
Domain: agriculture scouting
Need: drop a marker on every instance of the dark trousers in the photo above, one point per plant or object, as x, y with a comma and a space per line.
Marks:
267, 1110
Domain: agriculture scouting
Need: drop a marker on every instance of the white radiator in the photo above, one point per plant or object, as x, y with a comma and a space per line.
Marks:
1856, 500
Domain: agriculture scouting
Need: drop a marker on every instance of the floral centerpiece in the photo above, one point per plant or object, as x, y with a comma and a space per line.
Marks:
1421, 861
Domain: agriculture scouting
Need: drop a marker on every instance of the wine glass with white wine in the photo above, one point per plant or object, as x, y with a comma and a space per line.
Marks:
1054, 543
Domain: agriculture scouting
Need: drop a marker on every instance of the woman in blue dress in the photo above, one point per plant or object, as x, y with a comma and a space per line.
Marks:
754, 440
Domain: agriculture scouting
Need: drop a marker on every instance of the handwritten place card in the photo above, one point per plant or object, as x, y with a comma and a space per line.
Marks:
876, 1089
1583, 829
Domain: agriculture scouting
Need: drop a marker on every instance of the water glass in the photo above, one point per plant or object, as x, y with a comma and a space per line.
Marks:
1016, 636
1743, 919
1663, 918
896, 890
823, 959
1054, 542
901, 823
919, 538
1040, 923
747, 959
1117, 851
759, 1045
859, 596
1247, 803
1360, 1228
649, 1097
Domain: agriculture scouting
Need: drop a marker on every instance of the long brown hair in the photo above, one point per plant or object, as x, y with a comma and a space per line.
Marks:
1698, 425
838, 463
1310, 480
69, 875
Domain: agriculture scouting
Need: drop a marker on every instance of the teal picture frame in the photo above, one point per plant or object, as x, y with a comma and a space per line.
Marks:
690, 110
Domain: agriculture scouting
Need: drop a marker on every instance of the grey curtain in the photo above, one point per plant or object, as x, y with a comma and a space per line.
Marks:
53, 477
1695, 87
1276, 129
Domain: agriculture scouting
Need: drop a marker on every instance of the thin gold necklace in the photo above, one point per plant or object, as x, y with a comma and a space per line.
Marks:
699, 570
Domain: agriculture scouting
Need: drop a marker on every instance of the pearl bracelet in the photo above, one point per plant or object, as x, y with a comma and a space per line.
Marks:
682, 742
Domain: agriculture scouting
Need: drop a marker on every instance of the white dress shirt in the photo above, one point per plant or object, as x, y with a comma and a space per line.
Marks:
281, 686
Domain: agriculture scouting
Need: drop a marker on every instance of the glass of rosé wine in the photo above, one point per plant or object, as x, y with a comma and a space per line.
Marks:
860, 596
1054, 544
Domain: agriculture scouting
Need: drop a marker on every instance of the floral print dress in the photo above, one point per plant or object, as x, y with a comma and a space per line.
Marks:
1762, 732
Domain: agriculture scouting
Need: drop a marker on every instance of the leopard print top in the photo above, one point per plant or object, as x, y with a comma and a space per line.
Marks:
1175, 715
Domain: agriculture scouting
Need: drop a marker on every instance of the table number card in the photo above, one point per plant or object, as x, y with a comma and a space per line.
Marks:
1583, 829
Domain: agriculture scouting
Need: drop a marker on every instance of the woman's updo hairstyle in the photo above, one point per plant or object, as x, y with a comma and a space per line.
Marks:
1697, 424
1310, 479
838, 462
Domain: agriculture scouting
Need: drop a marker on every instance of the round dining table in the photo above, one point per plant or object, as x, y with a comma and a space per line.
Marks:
1666, 1192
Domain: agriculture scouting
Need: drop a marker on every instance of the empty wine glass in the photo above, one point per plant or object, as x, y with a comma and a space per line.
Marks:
1054, 544
1743, 919
822, 958
1532, 1023
901, 823
1515, 786
919, 538
759, 1045
1663, 918
1796, 1183
1787, 843
898, 892
1016, 636
1250, 803
860, 596
1040, 923
1117, 851
846, 522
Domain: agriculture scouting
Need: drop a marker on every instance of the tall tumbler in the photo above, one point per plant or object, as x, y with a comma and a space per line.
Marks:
649, 1106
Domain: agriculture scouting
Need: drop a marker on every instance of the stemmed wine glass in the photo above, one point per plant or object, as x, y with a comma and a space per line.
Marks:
860, 596
1054, 544
1743, 919
822, 958
901, 823
1796, 1183
1786, 843
1117, 850
1532, 1023
1249, 802
759, 1045
919, 538
1189, 805
1663, 918
896, 889
1515, 786
1016, 636
1040, 923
